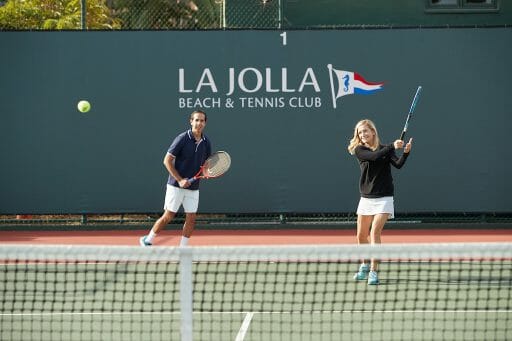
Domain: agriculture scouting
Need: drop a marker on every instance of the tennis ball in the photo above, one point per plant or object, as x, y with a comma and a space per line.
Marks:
84, 106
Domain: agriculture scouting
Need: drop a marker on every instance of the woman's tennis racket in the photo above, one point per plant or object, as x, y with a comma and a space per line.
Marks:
216, 165
411, 111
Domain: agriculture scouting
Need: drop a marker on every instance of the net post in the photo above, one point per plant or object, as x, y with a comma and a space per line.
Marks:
186, 293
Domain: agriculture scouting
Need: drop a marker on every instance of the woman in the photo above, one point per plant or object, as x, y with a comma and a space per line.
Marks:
376, 188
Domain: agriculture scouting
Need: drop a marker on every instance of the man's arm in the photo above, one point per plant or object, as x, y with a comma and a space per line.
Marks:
169, 165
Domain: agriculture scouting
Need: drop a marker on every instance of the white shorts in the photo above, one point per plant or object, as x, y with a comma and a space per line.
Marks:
373, 206
176, 196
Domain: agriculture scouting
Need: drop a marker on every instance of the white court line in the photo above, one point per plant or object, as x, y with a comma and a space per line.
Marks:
244, 327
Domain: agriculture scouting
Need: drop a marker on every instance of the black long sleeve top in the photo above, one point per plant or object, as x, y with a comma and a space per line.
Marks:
376, 180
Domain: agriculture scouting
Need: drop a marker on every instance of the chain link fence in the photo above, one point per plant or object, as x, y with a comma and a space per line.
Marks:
248, 14
244, 14
167, 14
196, 14
139, 14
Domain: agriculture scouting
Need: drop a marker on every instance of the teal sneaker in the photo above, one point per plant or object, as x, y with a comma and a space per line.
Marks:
362, 274
373, 279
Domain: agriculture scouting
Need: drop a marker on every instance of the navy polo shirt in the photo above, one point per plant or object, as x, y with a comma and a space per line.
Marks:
189, 156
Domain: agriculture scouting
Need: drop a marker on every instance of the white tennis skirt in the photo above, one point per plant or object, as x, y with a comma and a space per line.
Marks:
373, 206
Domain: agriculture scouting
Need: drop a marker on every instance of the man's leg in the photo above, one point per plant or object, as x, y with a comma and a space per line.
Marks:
188, 228
159, 225
190, 205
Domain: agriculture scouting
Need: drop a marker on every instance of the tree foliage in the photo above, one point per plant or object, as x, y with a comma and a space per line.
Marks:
55, 15
167, 14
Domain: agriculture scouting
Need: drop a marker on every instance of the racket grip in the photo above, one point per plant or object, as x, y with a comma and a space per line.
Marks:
192, 180
402, 135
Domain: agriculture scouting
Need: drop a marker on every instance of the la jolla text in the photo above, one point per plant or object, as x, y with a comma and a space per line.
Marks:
250, 81
249, 102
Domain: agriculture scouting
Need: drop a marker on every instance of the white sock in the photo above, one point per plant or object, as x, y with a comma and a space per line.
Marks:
184, 241
150, 236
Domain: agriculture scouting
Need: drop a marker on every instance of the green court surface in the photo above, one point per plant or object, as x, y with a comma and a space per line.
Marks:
456, 300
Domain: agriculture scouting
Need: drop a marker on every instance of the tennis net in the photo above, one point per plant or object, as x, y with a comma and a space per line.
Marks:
426, 292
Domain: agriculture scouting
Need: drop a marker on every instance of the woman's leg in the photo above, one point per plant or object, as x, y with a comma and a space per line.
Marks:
379, 220
364, 223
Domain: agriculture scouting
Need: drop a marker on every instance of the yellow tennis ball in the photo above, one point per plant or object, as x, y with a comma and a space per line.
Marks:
84, 106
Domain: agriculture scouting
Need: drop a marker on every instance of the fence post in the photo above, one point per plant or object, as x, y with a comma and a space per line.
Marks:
84, 14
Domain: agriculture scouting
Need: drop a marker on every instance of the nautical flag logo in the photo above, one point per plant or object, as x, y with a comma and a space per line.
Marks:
347, 83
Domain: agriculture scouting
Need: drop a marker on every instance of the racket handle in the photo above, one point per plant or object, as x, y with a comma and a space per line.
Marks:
191, 180
402, 135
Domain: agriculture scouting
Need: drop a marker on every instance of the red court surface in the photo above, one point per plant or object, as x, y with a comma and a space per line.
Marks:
253, 237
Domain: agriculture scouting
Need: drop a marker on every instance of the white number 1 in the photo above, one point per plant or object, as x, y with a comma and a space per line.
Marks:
284, 38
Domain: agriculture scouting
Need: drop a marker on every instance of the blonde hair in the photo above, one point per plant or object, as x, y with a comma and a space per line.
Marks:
356, 141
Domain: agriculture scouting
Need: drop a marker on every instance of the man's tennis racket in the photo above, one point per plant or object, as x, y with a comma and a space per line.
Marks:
216, 165
411, 110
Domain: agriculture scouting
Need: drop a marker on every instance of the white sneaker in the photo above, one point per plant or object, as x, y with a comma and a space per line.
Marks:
143, 242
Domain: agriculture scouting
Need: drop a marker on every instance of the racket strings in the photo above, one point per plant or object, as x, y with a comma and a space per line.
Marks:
218, 165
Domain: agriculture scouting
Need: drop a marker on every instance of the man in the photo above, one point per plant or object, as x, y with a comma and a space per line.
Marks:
184, 158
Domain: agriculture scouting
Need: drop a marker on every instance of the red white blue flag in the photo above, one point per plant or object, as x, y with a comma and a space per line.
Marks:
348, 83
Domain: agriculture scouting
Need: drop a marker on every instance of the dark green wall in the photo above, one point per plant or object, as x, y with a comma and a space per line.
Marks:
325, 13
285, 158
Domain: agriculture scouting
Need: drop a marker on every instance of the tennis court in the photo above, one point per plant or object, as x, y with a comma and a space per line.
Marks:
254, 236
255, 293
284, 84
